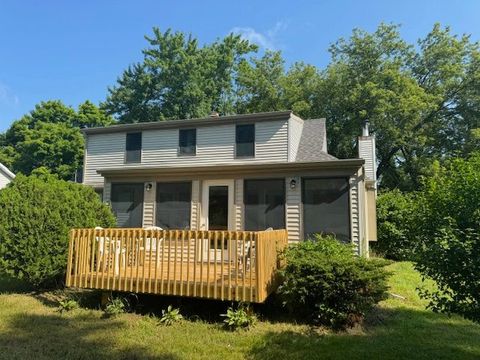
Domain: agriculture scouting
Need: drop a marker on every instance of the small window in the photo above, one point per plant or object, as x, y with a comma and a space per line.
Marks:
187, 142
245, 140
133, 148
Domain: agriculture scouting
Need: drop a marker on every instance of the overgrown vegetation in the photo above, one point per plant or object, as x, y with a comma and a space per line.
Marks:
325, 283
439, 227
449, 230
395, 217
115, 306
170, 316
395, 329
36, 215
68, 304
241, 317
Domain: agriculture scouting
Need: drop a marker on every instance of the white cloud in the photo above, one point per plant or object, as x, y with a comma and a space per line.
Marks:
7, 97
267, 40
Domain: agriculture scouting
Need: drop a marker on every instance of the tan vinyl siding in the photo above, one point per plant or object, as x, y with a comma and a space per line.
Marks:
4, 180
355, 213
239, 206
295, 127
103, 151
149, 199
107, 191
366, 151
195, 211
293, 210
215, 145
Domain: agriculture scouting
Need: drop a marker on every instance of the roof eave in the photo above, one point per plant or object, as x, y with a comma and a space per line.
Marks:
343, 164
277, 115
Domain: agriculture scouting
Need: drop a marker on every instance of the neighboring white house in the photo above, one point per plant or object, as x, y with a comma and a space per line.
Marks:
5, 176
242, 172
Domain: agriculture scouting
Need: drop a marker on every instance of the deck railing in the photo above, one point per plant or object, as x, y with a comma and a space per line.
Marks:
225, 265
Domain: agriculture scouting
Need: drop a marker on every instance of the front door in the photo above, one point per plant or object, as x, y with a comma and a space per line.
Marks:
217, 201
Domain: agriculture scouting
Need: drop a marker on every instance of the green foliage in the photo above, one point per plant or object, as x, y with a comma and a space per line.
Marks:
178, 79
242, 317
325, 283
115, 306
49, 136
36, 214
422, 102
449, 231
395, 218
67, 305
170, 316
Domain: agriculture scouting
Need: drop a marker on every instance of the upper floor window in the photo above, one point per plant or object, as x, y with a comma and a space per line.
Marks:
245, 140
133, 153
187, 141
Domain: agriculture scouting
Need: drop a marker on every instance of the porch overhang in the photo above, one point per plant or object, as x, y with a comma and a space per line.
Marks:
346, 165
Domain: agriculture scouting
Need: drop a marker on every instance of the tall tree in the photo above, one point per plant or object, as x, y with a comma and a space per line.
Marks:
419, 102
49, 137
178, 79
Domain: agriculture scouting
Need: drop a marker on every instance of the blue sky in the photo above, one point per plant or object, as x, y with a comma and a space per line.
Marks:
73, 51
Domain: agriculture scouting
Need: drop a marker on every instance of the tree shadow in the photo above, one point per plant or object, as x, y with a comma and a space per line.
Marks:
52, 336
388, 334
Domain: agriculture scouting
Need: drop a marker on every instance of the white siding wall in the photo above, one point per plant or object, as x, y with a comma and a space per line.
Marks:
239, 206
4, 180
366, 151
293, 210
215, 145
195, 214
295, 127
355, 210
149, 198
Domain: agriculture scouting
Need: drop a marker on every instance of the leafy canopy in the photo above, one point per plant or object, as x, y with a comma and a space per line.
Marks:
49, 137
36, 215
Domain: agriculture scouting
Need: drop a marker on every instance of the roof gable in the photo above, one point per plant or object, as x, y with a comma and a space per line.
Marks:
5, 171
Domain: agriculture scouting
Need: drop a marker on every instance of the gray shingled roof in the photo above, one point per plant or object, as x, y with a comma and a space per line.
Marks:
313, 146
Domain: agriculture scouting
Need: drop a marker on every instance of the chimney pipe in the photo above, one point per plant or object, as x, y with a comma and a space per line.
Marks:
365, 129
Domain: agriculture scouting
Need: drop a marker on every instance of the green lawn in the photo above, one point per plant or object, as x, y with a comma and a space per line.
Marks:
30, 327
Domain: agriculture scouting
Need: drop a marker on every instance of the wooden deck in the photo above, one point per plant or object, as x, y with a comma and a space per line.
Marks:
220, 265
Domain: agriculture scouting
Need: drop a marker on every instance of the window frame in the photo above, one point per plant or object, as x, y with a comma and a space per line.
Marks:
349, 205
179, 149
141, 186
126, 161
254, 142
284, 198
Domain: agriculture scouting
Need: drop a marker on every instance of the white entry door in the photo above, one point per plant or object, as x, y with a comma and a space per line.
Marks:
217, 214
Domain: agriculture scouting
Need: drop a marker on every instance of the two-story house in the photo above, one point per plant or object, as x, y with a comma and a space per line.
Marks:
242, 172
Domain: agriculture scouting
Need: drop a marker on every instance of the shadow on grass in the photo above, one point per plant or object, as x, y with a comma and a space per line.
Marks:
9, 285
58, 337
389, 334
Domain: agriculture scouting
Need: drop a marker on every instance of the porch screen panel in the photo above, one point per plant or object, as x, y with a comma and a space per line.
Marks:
264, 204
127, 204
326, 207
174, 201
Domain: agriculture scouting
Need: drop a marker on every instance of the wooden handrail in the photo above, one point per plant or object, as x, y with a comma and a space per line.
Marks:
224, 265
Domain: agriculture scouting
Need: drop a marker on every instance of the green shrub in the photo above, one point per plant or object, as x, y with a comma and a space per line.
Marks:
240, 318
115, 306
67, 305
395, 218
325, 283
36, 214
449, 232
170, 316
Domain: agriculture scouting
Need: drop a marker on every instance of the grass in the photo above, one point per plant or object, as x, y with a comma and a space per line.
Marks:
30, 325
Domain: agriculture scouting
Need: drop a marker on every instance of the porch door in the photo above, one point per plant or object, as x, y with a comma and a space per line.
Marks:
217, 209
